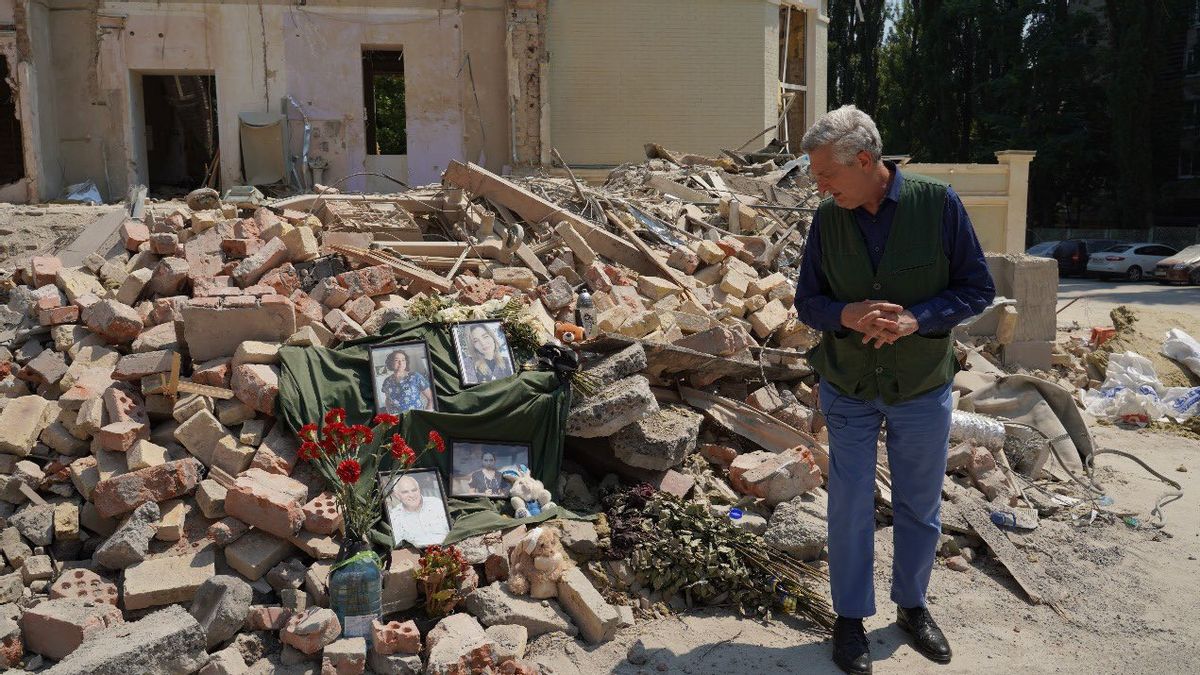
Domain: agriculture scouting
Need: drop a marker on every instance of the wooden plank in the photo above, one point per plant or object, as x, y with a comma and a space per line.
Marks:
204, 390
99, 237
669, 187
417, 202
422, 279
660, 267
533, 209
755, 425
1028, 575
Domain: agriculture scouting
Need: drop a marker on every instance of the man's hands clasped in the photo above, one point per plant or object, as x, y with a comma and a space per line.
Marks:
878, 320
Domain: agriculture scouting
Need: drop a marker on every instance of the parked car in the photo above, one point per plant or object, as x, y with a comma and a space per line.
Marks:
1181, 268
1132, 261
1072, 254
1044, 249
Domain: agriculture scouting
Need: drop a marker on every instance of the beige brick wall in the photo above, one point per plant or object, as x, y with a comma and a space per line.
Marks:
693, 75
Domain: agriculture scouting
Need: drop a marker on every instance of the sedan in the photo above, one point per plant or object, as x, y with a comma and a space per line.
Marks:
1183, 267
1132, 261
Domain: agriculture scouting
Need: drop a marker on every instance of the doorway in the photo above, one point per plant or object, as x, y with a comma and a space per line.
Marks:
181, 132
12, 156
385, 118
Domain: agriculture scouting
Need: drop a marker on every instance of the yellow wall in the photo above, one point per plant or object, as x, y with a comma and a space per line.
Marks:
693, 75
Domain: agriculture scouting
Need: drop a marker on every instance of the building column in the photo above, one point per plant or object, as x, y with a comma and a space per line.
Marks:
528, 82
816, 60
1018, 197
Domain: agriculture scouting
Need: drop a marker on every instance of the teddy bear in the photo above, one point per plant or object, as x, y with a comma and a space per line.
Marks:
536, 564
527, 494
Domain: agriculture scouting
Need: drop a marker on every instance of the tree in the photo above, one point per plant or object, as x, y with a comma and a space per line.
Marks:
854, 49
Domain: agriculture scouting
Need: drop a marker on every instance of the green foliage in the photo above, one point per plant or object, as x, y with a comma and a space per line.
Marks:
390, 136
1077, 81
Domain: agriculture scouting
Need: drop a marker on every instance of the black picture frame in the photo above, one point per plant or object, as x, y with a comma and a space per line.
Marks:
466, 459
416, 531
473, 370
379, 357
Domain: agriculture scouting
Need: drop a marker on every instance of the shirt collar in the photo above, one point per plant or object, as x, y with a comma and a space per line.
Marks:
893, 192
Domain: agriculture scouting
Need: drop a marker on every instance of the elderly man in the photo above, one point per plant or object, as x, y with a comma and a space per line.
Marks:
892, 264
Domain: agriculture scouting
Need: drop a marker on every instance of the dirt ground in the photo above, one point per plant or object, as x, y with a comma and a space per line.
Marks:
29, 230
1130, 597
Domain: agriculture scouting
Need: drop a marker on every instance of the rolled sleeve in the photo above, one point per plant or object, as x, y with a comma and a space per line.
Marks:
815, 305
970, 289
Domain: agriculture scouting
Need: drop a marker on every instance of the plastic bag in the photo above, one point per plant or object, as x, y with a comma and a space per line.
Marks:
1132, 392
1183, 348
1130, 370
85, 192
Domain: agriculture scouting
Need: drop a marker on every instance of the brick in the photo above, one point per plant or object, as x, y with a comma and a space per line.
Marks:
257, 385
76, 283
122, 404
317, 546
22, 421
301, 244
170, 277
256, 552
359, 309
400, 590
283, 279
170, 523
46, 368
220, 607
124, 493
136, 366
270, 502
578, 245
321, 515
557, 294
347, 656
157, 338
310, 631
45, 269
200, 435
133, 234
188, 406
58, 316
66, 521
683, 259
214, 373
116, 322
517, 277
55, 628
330, 293
718, 341
342, 326
272, 254
228, 661
627, 296
120, 436
164, 243
210, 497
775, 477
766, 284
233, 412
656, 288
278, 452
458, 644
231, 456
36, 568
58, 437
766, 399
710, 252
167, 641
267, 618
163, 581
597, 620
769, 318
308, 311
84, 585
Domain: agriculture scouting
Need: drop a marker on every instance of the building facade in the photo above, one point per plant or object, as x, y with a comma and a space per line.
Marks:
181, 94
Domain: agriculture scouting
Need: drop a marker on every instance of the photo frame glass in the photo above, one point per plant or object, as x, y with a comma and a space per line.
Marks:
483, 352
477, 467
402, 378
416, 508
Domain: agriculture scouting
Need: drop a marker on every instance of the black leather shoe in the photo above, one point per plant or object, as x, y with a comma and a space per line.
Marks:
851, 650
927, 637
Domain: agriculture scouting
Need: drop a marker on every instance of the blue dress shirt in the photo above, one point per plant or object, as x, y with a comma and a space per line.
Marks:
969, 292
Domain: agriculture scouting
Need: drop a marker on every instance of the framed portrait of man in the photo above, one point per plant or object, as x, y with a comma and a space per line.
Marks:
483, 353
402, 378
416, 508
476, 467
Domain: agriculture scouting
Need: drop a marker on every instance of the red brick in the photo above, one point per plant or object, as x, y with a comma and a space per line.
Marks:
85, 585
321, 515
247, 228
256, 385
169, 309
283, 279
45, 269
272, 254
134, 234
394, 637
268, 501
123, 405
326, 629
238, 248
342, 326
55, 628
119, 436
58, 315
116, 322
170, 276
164, 243
259, 290
205, 285
359, 308
240, 301
214, 373
369, 281
267, 618
474, 291
308, 311
124, 493
330, 293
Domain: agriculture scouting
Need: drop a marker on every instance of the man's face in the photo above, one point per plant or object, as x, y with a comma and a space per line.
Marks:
850, 185
410, 494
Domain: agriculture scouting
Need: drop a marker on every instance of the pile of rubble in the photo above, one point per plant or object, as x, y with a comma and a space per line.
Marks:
156, 518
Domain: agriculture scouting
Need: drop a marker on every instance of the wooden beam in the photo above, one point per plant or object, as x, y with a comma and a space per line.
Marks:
483, 183
421, 279
755, 425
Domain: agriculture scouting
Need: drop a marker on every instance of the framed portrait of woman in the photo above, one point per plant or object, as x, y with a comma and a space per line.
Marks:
483, 353
416, 508
402, 378
476, 467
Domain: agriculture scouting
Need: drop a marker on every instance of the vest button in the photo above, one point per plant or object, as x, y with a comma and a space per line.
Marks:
879, 370
876, 285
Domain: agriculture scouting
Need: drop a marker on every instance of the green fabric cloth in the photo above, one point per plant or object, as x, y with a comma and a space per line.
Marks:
530, 408
914, 268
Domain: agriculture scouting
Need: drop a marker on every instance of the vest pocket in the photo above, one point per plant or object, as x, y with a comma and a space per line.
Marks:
922, 363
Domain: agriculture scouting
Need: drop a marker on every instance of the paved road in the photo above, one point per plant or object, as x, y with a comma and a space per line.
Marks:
1097, 298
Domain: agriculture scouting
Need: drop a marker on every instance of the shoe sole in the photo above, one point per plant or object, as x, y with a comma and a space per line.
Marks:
849, 671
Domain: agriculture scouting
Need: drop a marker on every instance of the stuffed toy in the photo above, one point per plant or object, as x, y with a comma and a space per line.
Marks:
527, 494
536, 564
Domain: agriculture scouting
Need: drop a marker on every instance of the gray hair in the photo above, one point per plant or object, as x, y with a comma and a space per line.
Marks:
849, 130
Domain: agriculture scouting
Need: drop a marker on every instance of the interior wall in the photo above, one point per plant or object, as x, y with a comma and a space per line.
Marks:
693, 75
85, 137
486, 123
324, 58
43, 123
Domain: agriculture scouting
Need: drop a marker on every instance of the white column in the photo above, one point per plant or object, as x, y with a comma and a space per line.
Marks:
1018, 197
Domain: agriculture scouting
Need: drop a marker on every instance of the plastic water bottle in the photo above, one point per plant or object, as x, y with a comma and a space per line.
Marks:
585, 313
356, 589
1023, 519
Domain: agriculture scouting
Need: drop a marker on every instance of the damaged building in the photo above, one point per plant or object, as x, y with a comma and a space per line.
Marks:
176, 95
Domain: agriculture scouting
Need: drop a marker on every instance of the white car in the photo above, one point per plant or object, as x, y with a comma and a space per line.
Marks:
1132, 261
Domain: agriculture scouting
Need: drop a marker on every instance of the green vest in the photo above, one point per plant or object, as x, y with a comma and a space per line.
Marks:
914, 268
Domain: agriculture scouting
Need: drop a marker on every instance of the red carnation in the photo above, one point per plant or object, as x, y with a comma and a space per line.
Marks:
438, 442
363, 432
329, 447
385, 418
401, 450
335, 415
309, 450
308, 432
349, 471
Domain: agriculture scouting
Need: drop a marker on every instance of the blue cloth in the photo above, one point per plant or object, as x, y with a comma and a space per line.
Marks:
970, 291
918, 433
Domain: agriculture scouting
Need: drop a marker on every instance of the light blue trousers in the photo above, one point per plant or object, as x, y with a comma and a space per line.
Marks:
918, 433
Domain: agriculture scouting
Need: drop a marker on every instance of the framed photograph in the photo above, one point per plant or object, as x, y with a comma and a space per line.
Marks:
476, 467
483, 353
402, 378
416, 508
